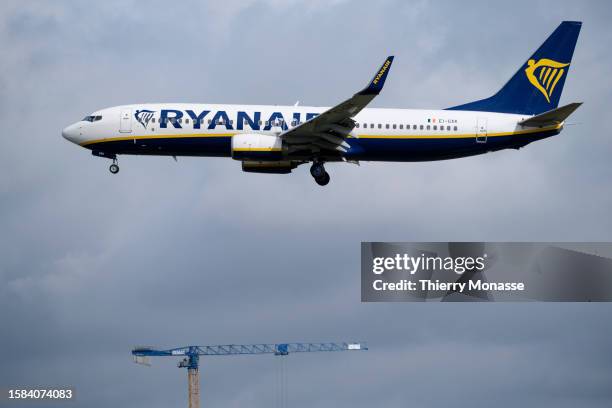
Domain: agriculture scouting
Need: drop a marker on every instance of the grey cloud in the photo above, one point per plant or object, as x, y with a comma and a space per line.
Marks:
171, 253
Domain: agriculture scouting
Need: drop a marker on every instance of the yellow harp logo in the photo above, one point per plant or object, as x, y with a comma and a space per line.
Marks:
544, 75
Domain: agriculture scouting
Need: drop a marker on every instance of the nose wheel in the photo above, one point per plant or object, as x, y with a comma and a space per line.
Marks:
114, 168
317, 171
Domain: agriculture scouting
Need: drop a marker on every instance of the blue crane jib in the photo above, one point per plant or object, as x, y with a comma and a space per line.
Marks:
281, 349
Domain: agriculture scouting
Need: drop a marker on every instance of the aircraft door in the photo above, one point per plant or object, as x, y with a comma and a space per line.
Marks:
125, 121
481, 130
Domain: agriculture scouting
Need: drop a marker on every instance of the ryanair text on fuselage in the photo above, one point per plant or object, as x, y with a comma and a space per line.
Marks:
207, 119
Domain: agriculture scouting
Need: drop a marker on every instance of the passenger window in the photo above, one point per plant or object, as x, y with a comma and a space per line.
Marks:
209, 121
414, 127
152, 120
455, 128
394, 126
231, 122
357, 125
421, 127
387, 126
435, 127
448, 128
401, 126
260, 122
428, 127
380, 126
186, 121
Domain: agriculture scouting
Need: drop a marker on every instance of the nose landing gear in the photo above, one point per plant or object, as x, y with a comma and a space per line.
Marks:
317, 171
114, 168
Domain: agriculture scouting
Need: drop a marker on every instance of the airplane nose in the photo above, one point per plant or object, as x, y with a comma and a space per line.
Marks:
71, 133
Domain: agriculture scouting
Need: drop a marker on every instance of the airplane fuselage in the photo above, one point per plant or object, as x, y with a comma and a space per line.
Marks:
277, 139
379, 135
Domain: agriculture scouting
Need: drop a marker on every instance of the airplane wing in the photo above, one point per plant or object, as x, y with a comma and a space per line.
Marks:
552, 117
328, 130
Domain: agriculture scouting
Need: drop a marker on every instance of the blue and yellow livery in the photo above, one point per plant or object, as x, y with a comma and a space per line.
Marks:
277, 139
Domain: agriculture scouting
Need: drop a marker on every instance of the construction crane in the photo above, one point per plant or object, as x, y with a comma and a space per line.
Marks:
192, 355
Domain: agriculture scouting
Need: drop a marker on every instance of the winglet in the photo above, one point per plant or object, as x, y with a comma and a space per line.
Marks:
376, 84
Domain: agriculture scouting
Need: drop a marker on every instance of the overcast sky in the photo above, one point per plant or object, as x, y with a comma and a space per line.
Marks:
197, 252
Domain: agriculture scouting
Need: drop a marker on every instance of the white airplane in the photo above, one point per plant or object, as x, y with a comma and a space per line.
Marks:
277, 139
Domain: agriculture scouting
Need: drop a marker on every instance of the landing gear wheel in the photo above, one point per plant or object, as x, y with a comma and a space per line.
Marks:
317, 170
114, 168
323, 180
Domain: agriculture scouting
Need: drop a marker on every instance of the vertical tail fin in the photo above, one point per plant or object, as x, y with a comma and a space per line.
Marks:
537, 85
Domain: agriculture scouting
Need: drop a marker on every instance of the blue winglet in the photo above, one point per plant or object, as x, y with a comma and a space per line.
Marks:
376, 84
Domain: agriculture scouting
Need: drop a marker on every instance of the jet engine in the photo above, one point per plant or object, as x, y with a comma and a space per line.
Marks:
270, 167
257, 147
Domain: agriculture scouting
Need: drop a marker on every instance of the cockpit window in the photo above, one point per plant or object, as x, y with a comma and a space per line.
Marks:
92, 118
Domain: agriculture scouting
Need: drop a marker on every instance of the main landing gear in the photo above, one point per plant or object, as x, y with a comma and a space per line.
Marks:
317, 170
114, 168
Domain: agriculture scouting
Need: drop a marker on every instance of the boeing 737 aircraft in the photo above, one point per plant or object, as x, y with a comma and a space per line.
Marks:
277, 139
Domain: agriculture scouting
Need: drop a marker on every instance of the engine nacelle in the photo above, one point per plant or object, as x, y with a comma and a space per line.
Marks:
270, 167
257, 147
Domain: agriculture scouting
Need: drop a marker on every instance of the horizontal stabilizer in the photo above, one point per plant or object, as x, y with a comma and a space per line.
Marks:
552, 117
